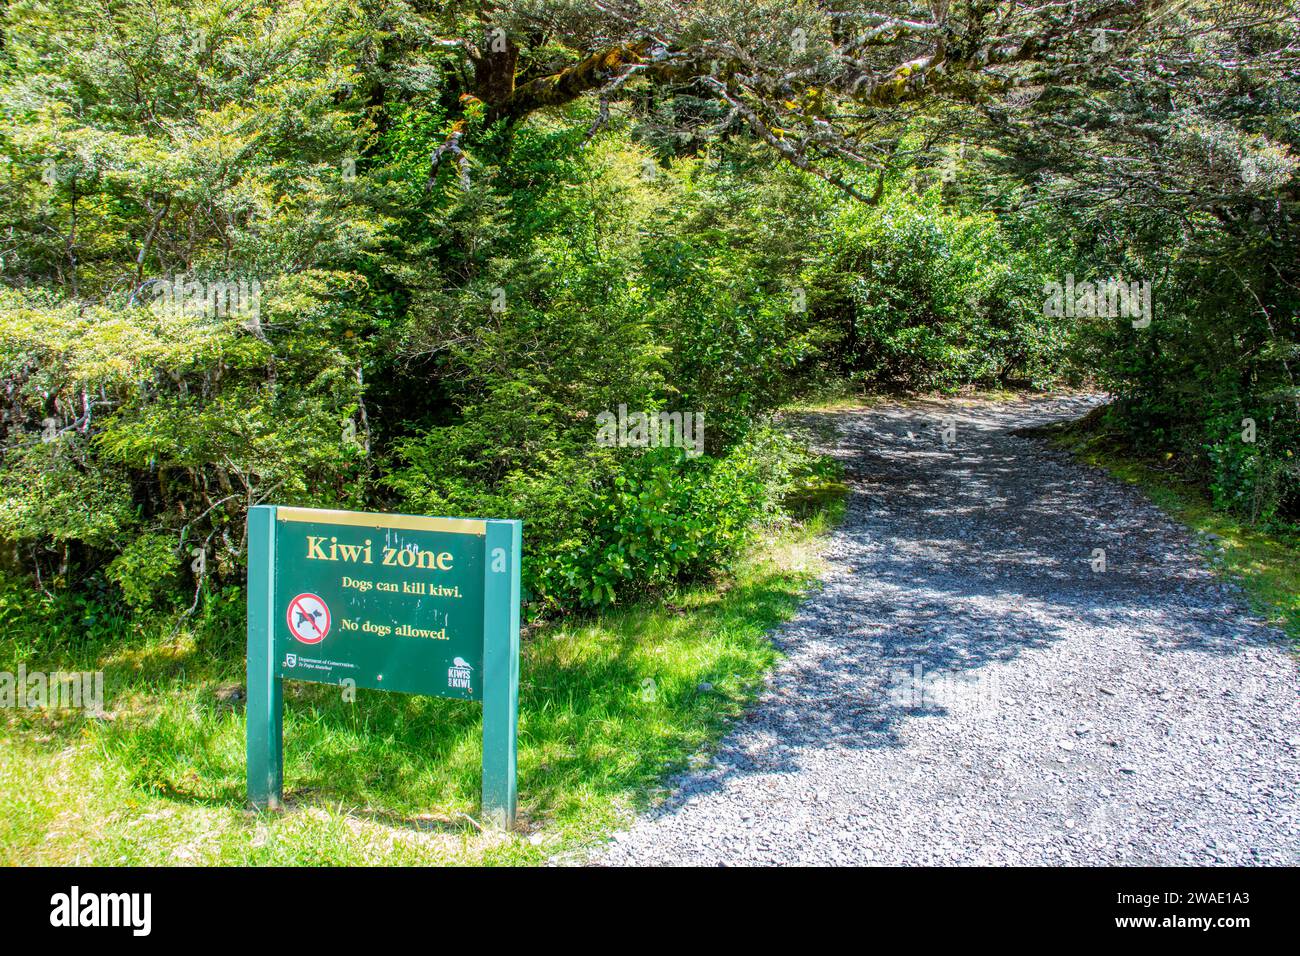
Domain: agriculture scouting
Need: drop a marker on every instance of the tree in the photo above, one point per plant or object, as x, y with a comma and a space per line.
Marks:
817, 82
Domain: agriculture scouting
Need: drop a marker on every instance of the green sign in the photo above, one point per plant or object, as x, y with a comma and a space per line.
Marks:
393, 602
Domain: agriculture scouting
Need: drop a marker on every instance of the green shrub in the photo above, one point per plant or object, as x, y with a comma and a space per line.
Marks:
926, 297
605, 525
146, 570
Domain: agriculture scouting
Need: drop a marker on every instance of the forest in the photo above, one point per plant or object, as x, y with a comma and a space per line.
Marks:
402, 256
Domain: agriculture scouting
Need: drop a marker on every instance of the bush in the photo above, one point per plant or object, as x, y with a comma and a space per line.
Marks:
927, 297
1220, 350
665, 517
606, 525
146, 570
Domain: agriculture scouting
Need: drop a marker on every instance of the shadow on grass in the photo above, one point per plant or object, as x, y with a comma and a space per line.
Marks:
590, 736
587, 730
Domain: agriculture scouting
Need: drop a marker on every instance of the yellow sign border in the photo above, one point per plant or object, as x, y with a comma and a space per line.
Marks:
366, 519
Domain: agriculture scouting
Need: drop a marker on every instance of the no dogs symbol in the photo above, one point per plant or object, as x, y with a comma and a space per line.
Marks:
309, 618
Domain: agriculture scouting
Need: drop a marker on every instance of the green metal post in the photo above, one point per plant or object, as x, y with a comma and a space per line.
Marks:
265, 710
503, 545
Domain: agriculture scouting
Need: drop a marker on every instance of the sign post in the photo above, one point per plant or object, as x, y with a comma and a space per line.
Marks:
500, 671
265, 708
404, 603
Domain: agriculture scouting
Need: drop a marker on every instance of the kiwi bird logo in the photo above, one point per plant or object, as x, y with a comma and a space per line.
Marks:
461, 662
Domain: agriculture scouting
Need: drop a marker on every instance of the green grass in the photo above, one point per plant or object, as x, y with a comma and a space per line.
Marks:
389, 779
1267, 566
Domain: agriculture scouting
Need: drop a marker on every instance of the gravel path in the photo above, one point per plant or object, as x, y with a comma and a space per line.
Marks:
967, 689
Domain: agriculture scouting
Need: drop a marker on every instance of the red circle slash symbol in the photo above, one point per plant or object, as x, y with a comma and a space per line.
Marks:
309, 618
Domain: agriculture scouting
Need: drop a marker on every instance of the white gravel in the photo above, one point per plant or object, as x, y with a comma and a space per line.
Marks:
967, 689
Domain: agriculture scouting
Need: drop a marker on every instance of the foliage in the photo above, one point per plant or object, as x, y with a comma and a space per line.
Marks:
927, 296
388, 256
144, 569
180, 332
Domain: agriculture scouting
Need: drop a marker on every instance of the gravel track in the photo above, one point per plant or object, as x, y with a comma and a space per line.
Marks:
966, 689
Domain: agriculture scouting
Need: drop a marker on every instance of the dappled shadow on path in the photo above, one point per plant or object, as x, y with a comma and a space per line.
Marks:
965, 546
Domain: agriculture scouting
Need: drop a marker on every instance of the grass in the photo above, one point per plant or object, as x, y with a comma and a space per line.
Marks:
609, 706
1267, 566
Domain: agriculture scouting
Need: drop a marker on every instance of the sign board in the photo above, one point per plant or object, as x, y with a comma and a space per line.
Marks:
393, 602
